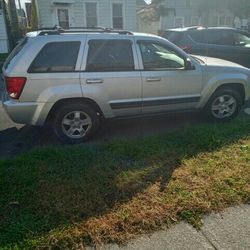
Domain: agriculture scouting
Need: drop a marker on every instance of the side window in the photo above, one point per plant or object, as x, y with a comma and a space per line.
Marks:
198, 36
157, 56
110, 55
218, 37
56, 57
241, 39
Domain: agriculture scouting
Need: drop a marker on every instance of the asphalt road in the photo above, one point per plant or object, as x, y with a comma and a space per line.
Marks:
16, 138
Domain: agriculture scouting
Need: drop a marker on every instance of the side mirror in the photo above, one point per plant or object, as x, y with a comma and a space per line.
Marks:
188, 65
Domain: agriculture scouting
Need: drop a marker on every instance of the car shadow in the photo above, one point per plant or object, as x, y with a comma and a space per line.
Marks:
15, 140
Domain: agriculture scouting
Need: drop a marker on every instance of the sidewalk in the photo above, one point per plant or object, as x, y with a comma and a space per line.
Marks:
229, 230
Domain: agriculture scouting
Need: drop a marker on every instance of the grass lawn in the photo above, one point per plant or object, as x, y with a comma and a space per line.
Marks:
67, 197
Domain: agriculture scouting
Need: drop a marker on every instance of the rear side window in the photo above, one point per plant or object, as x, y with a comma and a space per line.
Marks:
218, 37
172, 36
56, 57
198, 36
110, 55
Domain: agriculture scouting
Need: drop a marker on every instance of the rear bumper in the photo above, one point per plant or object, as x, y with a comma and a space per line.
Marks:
27, 112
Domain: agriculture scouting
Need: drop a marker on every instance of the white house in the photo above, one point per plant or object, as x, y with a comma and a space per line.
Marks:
4, 45
183, 13
179, 13
119, 14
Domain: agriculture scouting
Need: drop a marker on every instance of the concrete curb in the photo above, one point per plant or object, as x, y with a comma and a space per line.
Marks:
229, 230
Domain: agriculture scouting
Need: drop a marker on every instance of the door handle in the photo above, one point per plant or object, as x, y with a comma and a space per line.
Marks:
153, 79
94, 81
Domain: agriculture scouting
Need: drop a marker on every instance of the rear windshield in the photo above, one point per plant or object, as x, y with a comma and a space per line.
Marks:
172, 36
15, 52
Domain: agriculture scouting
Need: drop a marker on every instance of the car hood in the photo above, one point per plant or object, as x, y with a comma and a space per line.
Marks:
211, 61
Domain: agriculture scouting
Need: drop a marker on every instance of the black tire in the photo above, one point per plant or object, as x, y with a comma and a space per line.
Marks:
68, 112
235, 108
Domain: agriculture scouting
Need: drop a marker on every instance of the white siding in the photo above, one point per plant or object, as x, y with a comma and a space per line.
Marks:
44, 8
182, 9
47, 12
3, 35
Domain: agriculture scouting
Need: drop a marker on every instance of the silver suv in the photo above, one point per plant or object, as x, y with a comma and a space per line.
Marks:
72, 79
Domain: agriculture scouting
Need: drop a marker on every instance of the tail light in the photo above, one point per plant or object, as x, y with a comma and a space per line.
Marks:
15, 85
186, 48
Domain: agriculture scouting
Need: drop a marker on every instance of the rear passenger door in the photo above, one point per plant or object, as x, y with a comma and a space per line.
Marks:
109, 76
242, 45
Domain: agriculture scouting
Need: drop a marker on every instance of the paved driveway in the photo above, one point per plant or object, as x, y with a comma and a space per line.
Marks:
16, 138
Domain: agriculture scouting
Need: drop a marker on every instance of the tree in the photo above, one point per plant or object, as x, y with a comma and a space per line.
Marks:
7, 21
15, 34
34, 19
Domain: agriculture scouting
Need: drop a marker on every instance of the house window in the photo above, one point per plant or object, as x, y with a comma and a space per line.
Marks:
91, 14
117, 14
63, 18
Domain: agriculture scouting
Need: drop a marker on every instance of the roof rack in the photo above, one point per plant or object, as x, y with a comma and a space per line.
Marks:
57, 30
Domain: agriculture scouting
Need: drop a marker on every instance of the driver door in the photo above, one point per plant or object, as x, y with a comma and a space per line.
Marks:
241, 47
167, 84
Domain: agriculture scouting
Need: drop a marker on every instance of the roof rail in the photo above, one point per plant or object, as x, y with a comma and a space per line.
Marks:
56, 30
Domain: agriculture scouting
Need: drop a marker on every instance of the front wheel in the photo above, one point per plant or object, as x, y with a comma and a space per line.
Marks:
224, 105
75, 123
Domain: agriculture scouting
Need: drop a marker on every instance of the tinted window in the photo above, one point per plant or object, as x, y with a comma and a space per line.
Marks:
198, 36
110, 55
56, 57
219, 37
157, 56
172, 36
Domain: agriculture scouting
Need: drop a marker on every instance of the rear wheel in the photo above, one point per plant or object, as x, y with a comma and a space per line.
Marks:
224, 105
75, 123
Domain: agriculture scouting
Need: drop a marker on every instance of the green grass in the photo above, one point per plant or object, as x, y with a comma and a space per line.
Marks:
67, 197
